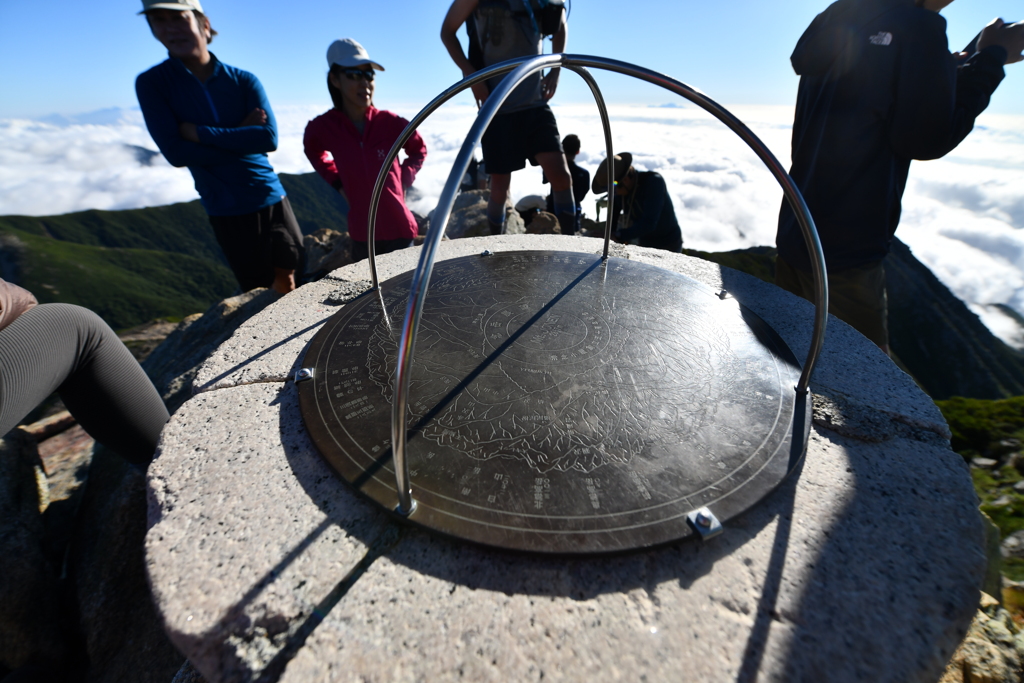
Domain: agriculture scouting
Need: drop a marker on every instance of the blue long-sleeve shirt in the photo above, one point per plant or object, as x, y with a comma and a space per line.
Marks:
229, 163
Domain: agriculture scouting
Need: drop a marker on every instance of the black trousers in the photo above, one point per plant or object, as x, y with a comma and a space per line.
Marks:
69, 349
255, 243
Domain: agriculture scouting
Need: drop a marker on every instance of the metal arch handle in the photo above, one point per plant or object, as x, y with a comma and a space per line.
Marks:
521, 69
432, 106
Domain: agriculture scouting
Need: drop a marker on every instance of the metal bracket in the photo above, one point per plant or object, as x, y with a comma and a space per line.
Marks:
303, 375
405, 513
705, 523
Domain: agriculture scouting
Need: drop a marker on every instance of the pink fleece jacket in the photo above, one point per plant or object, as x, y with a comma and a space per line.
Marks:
351, 162
13, 302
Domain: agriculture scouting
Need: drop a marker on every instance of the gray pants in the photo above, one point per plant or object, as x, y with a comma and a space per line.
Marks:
69, 349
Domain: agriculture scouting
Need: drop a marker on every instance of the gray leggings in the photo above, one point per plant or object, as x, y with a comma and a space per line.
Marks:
69, 349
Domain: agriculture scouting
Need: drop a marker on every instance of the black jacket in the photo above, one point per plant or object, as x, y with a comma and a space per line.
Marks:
651, 216
878, 87
580, 185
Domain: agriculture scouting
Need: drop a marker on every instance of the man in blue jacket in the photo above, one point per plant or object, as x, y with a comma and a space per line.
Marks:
878, 87
216, 120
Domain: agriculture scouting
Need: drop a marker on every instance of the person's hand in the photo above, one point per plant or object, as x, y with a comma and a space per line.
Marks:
257, 117
1009, 36
549, 84
480, 93
188, 132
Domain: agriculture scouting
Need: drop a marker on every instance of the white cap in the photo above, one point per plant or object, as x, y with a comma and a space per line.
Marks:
346, 52
176, 5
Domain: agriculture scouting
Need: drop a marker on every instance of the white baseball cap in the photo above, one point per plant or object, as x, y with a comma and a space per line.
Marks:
176, 5
346, 52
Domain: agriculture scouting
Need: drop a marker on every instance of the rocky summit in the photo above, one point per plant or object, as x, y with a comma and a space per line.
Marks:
75, 597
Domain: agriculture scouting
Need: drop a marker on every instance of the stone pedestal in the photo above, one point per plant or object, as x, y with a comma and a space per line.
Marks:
865, 565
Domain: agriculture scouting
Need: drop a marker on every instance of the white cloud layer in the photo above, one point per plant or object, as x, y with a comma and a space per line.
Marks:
963, 215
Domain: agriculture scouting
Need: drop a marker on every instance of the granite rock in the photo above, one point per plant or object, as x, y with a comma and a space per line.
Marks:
875, 545
544, 223
992, 652
469, 217
249, 529
30, 613
796, 590
173, 366
1013, 545
124, 635
326, 250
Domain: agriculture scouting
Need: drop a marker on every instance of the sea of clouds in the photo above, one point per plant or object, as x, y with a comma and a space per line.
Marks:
963, 215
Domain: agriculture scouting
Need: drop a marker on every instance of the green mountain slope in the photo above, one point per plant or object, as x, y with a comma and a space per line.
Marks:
135, 265
125, 287
178, 228
315, 203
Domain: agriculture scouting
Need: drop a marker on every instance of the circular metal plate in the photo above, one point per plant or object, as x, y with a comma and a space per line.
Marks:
559, 403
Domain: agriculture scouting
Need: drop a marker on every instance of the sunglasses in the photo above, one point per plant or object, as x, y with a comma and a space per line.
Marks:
357, 74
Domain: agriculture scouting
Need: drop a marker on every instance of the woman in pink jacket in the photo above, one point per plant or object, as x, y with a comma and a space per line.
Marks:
347, 146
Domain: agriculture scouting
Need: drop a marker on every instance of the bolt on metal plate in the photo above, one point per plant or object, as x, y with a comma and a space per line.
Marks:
705, 523
303, 374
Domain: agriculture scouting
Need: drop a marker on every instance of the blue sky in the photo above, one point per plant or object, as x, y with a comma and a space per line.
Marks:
64, 57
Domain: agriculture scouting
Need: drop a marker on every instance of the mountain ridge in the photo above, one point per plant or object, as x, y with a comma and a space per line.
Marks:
135, 265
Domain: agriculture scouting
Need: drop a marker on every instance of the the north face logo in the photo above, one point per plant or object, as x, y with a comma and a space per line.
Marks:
881, 38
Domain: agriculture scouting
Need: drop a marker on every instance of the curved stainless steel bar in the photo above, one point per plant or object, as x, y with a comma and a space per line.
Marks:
421, 277
789, 188
606, 124
431, 107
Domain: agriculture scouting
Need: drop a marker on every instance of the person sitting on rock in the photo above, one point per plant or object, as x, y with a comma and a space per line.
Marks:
70, 350
580, 175
347, 146
648, 218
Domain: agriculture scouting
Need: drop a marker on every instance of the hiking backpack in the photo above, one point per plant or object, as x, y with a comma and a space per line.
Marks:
544, 15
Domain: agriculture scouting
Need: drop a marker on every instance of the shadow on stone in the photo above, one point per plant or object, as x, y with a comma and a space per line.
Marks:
125, 640
173, 365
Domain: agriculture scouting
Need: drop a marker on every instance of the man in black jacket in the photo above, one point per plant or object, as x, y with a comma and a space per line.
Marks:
647, 216
878, 87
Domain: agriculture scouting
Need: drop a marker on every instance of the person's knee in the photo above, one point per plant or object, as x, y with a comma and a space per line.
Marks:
556, 170
81, 320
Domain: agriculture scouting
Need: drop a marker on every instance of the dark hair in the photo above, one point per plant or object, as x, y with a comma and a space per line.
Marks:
200, 16
571, 144
339, 103
336, 98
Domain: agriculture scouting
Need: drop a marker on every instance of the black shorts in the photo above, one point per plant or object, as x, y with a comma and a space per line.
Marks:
514, 138
256, 243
